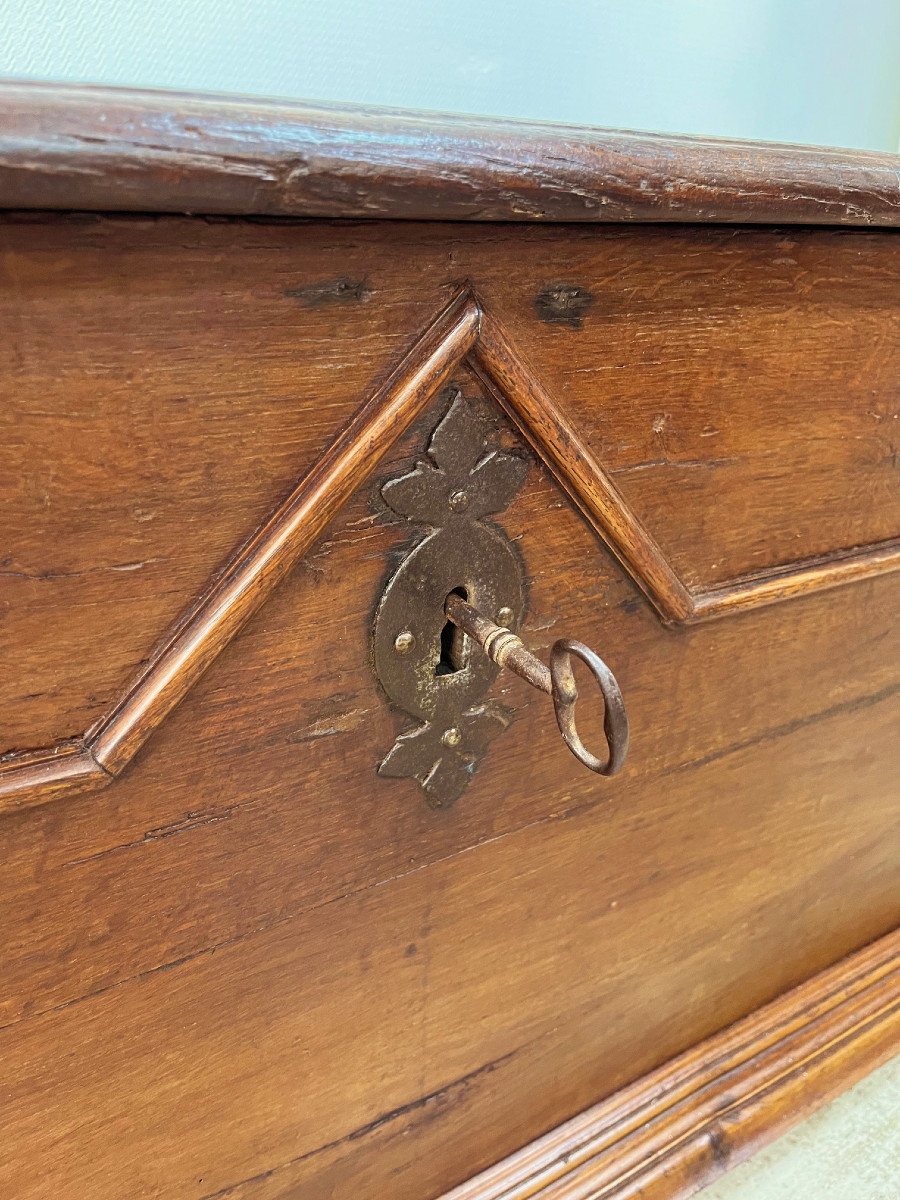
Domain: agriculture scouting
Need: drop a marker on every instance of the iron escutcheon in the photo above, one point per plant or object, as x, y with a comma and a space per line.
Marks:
428, 667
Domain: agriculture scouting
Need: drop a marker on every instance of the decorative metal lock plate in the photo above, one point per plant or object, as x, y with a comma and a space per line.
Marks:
427, 666
445, 624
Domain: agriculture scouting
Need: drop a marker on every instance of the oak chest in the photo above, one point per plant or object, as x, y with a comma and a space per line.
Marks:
303, 893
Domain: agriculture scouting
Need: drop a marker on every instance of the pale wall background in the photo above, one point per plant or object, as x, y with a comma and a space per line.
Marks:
820, 71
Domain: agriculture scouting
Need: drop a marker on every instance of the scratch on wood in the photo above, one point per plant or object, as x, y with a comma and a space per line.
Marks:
328, 727
40, 576
687, 463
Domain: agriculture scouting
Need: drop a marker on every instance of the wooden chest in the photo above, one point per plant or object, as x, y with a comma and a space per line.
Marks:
301, 896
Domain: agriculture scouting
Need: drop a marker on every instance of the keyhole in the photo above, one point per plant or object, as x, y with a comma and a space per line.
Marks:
454, 644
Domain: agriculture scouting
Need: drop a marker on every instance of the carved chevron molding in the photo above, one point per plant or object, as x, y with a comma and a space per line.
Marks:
463, 331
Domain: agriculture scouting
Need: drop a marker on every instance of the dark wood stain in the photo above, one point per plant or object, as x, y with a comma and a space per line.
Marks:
332, 291
563, 304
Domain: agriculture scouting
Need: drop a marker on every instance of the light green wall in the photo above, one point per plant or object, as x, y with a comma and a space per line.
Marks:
795, 70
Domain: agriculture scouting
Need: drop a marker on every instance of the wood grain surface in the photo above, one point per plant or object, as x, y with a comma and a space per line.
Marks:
254, 969
112, 149
207, 624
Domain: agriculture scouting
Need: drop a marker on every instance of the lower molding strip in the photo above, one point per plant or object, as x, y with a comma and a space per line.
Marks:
678, 1128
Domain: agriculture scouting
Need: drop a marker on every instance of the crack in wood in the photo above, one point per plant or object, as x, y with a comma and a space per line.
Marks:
449, 1091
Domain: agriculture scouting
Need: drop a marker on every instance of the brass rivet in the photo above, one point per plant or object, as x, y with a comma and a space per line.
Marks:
452, 737
505, 615
404, 642
459, 501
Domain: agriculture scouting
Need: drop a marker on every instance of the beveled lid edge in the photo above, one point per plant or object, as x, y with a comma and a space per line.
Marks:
111, 149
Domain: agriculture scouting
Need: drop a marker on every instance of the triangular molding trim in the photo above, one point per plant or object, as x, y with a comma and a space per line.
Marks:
463, 331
